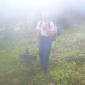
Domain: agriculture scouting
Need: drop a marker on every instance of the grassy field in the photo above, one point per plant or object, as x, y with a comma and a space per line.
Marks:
70, 44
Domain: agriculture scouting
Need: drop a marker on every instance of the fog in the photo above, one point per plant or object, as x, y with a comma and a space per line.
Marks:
20, 49
28, 11
13, 8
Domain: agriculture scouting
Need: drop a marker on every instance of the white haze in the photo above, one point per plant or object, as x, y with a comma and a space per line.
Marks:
27, 11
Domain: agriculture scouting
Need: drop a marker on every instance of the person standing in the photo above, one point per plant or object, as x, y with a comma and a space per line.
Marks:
45, 31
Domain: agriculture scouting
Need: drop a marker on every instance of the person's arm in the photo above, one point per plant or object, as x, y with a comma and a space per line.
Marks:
38, 34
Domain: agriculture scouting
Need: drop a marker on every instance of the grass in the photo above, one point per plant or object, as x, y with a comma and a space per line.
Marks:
70, 43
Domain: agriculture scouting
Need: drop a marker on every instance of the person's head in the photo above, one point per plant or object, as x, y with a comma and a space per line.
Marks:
44, 16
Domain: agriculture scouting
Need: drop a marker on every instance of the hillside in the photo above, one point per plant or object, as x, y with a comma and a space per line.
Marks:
66, 66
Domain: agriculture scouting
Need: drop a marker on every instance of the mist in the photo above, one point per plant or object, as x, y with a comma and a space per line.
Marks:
27, 13
25, 8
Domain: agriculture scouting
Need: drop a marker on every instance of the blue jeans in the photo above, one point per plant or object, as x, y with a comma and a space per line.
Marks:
44, 51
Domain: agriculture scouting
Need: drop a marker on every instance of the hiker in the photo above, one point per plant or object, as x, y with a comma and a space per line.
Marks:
45, 31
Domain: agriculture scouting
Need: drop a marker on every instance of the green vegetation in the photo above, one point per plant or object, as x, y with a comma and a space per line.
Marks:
70, 44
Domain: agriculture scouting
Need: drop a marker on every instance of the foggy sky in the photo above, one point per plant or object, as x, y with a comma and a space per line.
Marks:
11, 8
